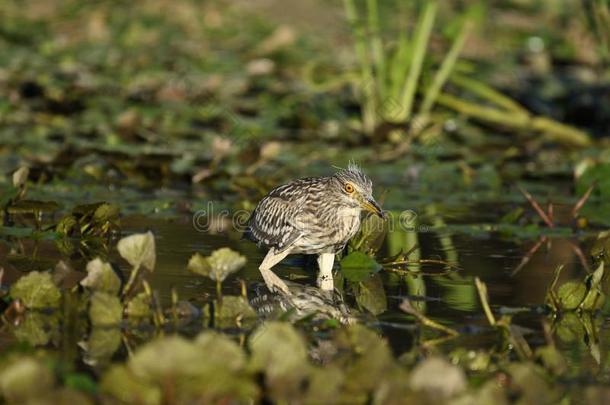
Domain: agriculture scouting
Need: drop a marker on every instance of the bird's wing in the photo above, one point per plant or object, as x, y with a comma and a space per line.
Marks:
274, 222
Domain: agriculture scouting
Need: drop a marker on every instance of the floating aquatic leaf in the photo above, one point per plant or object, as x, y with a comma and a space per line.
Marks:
105, 309
105, 212
26, 378
139, 250
170, 356
226, 352
101, 277
358, 266
595, 297
324, 385
438, 378
571, 294
601, 247
66, 225
552, 359
210, 368
139, 306
528, 379
279, 350
220, 264
371, 296
365, 358
36, 290
122, 384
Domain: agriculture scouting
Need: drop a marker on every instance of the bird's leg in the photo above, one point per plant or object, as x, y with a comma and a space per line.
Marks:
271, 279
325, 276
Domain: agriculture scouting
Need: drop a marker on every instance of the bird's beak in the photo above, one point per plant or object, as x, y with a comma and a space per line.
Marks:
371, 205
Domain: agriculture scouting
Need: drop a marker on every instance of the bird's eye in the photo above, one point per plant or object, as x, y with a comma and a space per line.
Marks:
349, 188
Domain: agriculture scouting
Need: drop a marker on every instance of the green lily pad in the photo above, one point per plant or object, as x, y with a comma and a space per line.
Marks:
139, 250
101, 277
358, 266
219, 265
36, 290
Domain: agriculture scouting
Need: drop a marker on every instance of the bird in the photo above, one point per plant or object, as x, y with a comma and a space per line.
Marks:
312, 215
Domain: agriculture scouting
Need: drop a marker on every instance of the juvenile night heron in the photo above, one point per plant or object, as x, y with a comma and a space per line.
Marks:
314, 215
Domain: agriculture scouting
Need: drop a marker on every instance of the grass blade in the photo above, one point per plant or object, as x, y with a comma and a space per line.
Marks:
420, 44
366, 85
377, 48
441, 76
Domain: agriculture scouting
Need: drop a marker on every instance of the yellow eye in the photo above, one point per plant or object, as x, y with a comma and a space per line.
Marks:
349, 188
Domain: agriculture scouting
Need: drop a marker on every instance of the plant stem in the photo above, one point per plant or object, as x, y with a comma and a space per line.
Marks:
219, 290
482, 289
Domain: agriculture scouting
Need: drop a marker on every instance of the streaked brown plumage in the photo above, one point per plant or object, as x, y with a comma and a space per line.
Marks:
316, 215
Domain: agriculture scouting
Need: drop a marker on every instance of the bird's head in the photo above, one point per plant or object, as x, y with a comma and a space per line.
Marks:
355, 189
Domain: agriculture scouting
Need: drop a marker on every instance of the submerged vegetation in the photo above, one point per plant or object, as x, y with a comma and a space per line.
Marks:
136, 138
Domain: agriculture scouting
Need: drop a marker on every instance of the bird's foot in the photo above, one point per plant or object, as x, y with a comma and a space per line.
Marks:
275, 284
325, 282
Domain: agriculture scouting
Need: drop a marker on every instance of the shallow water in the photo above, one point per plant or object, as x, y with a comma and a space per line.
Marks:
450, 299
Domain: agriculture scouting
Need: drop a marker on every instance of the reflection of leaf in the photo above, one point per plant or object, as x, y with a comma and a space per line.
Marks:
102, 344
37, 328
138, 249
231, 311
105, 309
280, 351
438, 378
220, 264
101, 277
358, 266
370, 295
36, 290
